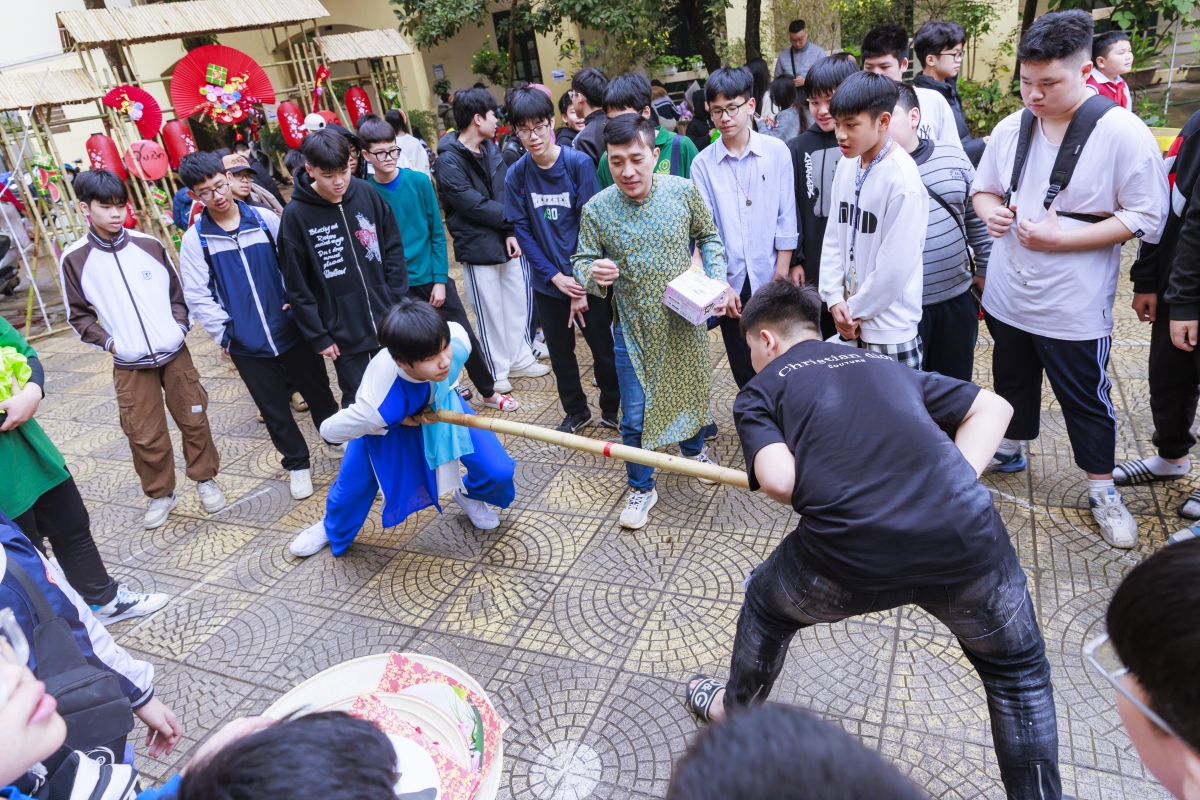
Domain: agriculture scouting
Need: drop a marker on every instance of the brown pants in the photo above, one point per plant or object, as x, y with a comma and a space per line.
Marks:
140, 398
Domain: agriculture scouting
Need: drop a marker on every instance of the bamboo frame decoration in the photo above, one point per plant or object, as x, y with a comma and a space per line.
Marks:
648, 458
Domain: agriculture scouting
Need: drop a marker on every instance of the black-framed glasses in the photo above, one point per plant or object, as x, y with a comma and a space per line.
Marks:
958, 57
1101, 654
386, 155
537, 130
207, 195
728, 111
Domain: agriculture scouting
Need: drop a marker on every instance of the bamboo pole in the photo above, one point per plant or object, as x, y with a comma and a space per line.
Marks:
648, 458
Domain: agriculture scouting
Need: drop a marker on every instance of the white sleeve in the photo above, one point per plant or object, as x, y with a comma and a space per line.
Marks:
421, 159
1142, 191
946, 128
205, 308
459, 334
362, 418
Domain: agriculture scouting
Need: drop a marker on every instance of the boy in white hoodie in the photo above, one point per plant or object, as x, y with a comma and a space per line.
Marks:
871, 276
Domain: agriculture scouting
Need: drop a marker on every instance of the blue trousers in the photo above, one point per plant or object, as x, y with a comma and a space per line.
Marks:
489, 478
633, 415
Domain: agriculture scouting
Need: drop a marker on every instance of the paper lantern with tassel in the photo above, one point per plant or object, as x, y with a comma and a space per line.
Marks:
357, 104
177, 136
103, 154
291, 123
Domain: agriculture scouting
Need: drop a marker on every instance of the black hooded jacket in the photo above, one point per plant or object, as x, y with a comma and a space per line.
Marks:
949, 90
343, 264
815, 155
472, 195
1170, 268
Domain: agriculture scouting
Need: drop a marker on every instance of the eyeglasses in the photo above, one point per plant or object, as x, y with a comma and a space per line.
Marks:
728, 111
1101, 654
958, 57
386, 155
538, 131
208, 194
14, 647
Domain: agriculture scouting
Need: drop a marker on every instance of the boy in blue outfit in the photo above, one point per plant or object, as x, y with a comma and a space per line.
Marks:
389, 446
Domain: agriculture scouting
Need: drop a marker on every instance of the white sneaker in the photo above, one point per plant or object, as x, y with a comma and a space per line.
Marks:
335, 451
1117, 525
637, 508
127, 605
160, 508
482, 515
702, 458
503, 386
534, 370
540, 350
301, 483
211, 496
310, 540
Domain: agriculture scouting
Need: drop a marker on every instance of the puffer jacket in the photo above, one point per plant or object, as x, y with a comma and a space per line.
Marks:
472, 197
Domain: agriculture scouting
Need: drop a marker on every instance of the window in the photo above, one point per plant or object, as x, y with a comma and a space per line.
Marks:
526, 64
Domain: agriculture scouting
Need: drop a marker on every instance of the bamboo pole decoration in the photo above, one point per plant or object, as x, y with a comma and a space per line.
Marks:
648, 458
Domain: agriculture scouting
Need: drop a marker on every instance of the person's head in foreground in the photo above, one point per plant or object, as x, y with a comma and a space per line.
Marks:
327, 160
531, 114
1112, 53
33, 729
939, 48
798, 34
628, 93
773, 752
475, 113
1055, 59
418, 339
207, 181
629, 139
885, 50
1152, 656
906, 118
240, 174
823, 79
779, 316
379, 146
729, 93
862, 110
102, 197
328, 755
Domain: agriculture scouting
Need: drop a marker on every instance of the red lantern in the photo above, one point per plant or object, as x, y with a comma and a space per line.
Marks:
177, 136
103, 153
291, 123
357, 104
130, 216
147, 160
330, 117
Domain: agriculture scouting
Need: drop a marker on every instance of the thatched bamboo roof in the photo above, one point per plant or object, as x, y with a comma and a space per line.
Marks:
364, 44
159, 21
19, 90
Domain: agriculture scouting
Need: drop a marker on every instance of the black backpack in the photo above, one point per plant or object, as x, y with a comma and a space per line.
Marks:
1081, 127
98, 714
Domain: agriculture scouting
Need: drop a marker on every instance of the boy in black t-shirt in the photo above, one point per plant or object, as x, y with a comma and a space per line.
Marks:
924, 533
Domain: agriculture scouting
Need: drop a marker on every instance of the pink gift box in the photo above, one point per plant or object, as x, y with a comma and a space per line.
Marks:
693, 295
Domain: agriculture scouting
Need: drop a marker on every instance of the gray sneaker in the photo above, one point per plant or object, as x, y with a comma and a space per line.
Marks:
637, 508
703, 458
211, 496
160, 508
1117, 525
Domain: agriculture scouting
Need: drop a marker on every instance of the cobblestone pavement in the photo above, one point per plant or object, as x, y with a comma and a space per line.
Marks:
582, 632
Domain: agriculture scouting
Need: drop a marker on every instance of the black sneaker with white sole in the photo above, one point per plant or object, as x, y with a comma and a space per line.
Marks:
607, 421
573, 422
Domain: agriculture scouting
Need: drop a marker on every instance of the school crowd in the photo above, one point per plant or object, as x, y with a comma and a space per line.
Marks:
854, 244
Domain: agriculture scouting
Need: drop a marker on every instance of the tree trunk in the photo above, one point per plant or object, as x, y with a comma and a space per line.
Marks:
512, 42
693, 12
112, 54
1028, 15
753, 30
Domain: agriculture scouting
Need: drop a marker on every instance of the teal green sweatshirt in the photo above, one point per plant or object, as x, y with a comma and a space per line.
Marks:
412, 199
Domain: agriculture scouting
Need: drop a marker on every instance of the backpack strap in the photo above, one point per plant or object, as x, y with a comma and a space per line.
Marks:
1028, 120
962, 228
41, 606
675, 148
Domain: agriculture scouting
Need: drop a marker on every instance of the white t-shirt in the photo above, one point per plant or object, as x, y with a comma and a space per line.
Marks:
937, 119
413, 152
893, 216
1070, 295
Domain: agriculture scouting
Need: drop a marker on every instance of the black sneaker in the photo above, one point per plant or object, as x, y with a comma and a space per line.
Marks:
710, 431
573, 422
607, 421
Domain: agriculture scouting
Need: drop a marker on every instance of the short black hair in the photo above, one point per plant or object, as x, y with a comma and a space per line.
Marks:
394, 118
412, 331
783, 92
1057, 36
372, 129
864, 91
564, 102
445, 97
796, 25
729, 82
628, 90
907, 98
937, 36
294, 758
326, 150
529, 105
888, 39
591, 83
100, 186
827, 74
625, 128
196, 168
1105, 41
469, 102
294, 161
782, 306
1153, 625
773, 751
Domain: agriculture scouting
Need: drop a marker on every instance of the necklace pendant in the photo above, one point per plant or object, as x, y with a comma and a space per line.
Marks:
749, 201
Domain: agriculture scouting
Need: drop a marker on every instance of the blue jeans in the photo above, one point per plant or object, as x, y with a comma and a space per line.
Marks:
633, 415
992, 617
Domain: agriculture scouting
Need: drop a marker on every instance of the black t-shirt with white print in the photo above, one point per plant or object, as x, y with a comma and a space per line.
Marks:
887, 501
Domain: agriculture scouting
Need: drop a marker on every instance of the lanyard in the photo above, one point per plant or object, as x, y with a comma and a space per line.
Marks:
860, 178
